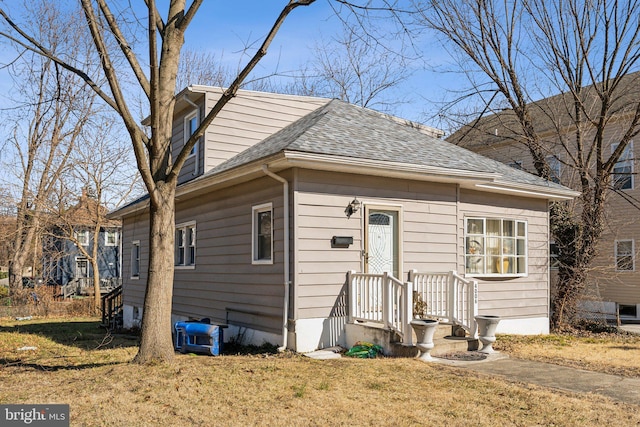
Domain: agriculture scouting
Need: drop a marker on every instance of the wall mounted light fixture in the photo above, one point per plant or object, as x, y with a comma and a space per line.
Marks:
352, 207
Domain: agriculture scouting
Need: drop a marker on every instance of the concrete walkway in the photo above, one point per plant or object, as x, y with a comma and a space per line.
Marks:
616, 387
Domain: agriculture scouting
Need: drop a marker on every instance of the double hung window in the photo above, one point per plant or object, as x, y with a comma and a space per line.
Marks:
263, 234
135, 259
186, 244
624, 255
190, 126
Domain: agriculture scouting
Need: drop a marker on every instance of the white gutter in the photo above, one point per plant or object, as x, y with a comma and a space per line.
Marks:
287, 278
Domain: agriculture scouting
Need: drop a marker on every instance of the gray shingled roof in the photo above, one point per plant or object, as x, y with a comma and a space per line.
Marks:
342, 129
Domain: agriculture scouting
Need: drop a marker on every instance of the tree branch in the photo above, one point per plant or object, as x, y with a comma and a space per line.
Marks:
124, 46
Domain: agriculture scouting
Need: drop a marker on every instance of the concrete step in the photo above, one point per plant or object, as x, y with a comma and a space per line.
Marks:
442, 346
445, 340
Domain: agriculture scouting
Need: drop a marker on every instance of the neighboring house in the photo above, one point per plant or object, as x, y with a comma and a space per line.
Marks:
286, 195
614, 281
66, 265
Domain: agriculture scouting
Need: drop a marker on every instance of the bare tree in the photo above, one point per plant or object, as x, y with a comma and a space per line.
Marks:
202, 68
98, 171
57, 106
516, 52
355, 69
158, 169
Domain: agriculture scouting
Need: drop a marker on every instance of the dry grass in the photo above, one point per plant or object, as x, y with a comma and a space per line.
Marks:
610, 353
74, 365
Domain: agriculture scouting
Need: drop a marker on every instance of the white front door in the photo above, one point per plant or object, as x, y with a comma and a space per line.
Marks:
382, 242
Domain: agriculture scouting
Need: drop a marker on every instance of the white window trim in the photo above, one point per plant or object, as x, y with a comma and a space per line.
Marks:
135, 243
633, 254
106, 238
625, 160
184, 226
483, 256
255, 210
84, 240
186, 129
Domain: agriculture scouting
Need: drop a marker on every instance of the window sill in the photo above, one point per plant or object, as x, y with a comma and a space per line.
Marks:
184, 267
495, 275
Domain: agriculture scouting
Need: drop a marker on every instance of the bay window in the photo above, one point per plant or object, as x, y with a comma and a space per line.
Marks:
495, 247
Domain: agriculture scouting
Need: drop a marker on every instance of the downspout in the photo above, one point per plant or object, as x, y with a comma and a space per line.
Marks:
196, 166
287, 278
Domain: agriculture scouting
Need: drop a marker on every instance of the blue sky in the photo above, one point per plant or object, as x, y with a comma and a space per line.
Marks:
224, 28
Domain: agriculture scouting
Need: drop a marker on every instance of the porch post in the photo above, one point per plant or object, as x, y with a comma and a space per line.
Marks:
452, 298
407, 314
352, 297
473, 303
387, 301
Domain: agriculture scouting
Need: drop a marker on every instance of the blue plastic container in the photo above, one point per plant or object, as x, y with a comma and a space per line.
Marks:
195, 337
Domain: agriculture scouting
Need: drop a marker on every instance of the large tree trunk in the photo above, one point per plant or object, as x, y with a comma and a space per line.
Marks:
156, 344
97, 296
21, 249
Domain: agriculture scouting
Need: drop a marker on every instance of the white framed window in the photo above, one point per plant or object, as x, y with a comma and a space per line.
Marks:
82, 236
625, 261
111, 238
185, 244
191, 122
555, 168
623, 169
495, 247
262, 239
135, 259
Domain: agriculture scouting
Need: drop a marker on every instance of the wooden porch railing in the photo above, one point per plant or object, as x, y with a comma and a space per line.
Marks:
449, 297
112, 309
383, 299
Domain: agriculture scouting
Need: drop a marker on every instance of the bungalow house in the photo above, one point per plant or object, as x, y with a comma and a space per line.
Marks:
297, 217
66, 264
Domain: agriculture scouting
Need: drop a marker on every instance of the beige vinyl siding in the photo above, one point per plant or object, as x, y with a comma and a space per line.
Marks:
513, 297
622, 223
428, 213
224, 277
249, 118
135, 228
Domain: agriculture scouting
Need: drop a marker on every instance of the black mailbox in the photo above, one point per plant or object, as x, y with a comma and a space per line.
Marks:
341, 241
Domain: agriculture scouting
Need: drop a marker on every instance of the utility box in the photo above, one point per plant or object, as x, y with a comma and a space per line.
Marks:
198, 337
